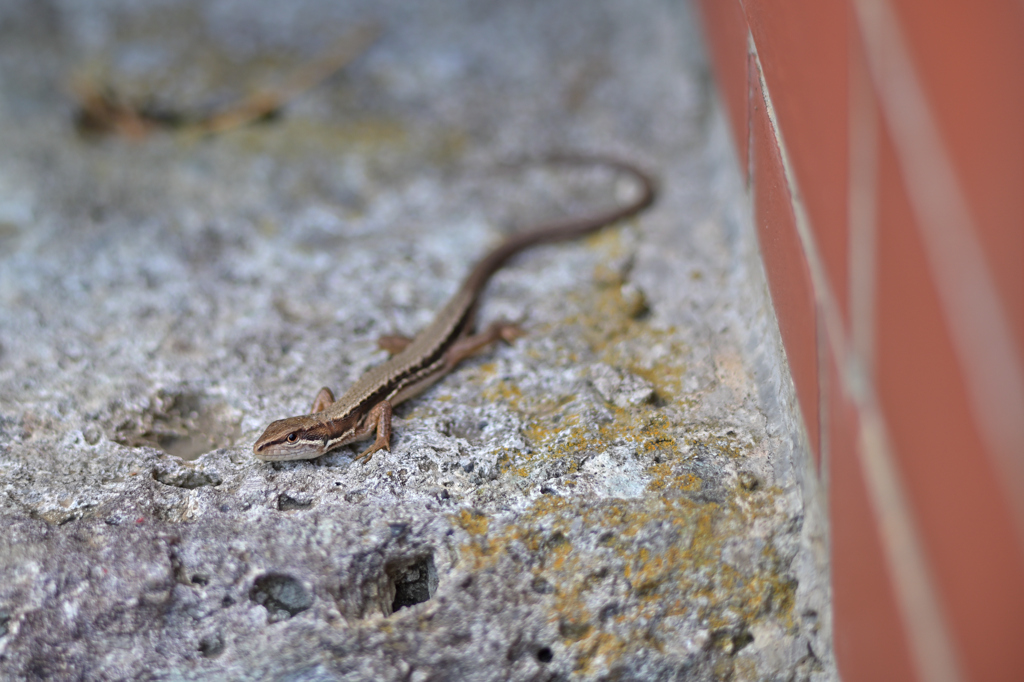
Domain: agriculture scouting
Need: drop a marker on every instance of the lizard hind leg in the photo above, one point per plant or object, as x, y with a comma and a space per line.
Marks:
393, 343
470, 345
323, 400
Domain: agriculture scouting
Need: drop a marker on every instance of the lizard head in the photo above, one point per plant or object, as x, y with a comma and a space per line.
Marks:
302, 437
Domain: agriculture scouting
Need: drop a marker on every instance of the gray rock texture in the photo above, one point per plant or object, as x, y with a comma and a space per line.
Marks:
623, 493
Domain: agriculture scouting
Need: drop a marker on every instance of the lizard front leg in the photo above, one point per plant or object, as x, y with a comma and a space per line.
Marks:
377, 419
323, 400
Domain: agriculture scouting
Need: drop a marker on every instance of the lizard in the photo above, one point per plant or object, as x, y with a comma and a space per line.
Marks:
365, 409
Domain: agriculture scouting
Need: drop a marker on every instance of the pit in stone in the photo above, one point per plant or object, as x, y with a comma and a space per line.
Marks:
182, 424
414, 583
281, 595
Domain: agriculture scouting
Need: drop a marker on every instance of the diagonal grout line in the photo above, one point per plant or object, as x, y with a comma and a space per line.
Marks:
974, 311
932, 647
863, 146
933, 652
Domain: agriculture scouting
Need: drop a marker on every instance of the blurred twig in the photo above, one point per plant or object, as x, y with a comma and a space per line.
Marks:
102, 110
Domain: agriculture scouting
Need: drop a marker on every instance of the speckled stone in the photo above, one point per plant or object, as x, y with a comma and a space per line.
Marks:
623, 493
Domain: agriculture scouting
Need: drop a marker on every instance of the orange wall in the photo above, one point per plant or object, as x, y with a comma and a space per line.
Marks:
883, 143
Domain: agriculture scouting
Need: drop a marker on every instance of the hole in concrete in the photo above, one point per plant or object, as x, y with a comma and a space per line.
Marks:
731, 641
211, 646
286, 502
186, 477
749, 481
199, 579
545, 654
415, 583
355, 496
467, 428
572, 629
281, 595
181, 424
555, 539
742, 639
542, 586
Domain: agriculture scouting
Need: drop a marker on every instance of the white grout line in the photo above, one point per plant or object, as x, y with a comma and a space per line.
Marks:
862, 215
826, 300
932, 648
975, 314
818, 279
931, 644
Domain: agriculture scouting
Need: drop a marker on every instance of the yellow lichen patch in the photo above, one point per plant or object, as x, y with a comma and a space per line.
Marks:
666, 479
299, 137
511, 462
472, 522
557, 435
597, 649
608, 241
607, 320
620, 576
505, 391
653, 560
730, 445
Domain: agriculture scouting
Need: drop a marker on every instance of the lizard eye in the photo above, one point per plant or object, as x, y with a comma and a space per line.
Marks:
292, 438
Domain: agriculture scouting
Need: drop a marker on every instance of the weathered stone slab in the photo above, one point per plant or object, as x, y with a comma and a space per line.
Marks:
620, 494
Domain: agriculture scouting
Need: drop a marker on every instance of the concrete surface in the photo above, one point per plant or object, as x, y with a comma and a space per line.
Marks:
623, 493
